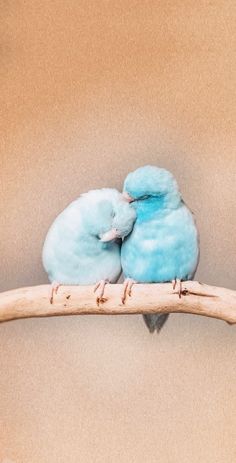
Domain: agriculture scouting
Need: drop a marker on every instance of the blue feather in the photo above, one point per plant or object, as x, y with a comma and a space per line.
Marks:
73, 252
164, 243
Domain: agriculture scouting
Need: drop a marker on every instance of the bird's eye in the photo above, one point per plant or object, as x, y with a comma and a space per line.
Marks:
144, 197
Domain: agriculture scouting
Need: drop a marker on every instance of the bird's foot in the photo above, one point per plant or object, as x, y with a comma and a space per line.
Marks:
127, 286
53, 290
177, 283
100, 294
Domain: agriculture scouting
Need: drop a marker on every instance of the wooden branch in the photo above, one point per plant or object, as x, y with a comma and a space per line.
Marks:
197, 298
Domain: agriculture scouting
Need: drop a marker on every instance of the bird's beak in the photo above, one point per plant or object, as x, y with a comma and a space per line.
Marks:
127, 197
110, 235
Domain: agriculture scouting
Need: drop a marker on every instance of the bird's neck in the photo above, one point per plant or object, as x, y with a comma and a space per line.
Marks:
156, 205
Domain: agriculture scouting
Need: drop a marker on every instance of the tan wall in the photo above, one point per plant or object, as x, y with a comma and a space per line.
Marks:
92, 90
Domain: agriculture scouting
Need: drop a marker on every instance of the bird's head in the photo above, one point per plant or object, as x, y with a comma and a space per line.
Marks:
148, 182
120, 221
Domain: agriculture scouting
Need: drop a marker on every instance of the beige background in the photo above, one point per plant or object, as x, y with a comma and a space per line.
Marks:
92, 89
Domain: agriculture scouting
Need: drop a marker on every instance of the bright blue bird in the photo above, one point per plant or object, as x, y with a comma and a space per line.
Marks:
164, 244
81, 246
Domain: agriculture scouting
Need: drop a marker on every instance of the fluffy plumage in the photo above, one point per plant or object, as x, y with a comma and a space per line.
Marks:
163, 245
80, 246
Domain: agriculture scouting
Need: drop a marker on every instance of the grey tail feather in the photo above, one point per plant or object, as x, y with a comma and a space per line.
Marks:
155, 321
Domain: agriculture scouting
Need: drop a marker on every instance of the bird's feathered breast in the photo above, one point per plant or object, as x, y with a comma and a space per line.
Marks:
162, 247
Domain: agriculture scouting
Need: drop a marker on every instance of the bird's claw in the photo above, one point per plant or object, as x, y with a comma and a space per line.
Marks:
100, 299
128, 283
53, 290
178, 283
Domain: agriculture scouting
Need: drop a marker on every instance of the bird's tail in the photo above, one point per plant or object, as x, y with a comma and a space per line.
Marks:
155, 321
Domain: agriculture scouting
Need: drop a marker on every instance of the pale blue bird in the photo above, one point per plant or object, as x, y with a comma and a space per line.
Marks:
81, 247
164, 243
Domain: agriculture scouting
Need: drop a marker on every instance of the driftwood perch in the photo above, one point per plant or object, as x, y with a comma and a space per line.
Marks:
197, 298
